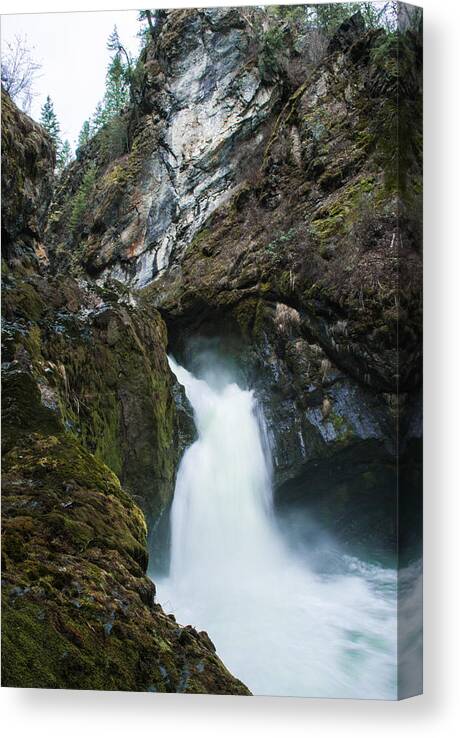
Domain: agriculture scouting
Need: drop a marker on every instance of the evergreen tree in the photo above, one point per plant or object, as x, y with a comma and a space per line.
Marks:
329, 16
49, 121
64, 155
99, 118
117, 88
84, 135
117, 84
81, 199
114, 44
149, 29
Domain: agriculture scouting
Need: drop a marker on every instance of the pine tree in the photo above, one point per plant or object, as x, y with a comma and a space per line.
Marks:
117, 88
49, 121
84, 135
64, 155
117, 84
146, 15
99, 118
81, 199
114, 44
330, 15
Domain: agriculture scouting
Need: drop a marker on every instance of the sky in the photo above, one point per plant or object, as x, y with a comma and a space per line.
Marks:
71, 47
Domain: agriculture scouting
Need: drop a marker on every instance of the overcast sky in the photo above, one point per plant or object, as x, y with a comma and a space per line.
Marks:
71, 47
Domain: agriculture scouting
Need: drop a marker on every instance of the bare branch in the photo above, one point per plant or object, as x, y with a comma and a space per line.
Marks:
19, 71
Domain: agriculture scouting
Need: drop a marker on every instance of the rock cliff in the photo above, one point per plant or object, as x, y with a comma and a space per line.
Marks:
248, 207
283, 221
87, 403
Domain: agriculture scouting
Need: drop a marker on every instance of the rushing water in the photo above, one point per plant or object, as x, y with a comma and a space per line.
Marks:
278, 624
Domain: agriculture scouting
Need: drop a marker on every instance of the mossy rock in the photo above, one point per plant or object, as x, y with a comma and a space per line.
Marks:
78, 611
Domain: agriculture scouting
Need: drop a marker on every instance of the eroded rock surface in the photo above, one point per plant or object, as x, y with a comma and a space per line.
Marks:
269, 218
87, 404
204, 107
276, 216
27, 187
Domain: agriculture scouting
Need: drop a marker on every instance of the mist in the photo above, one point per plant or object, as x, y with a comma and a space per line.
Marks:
287, 617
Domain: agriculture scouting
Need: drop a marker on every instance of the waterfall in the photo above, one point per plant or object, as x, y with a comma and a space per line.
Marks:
278, 624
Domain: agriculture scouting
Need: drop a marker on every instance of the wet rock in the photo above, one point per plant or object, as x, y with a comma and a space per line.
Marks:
28, 159
208, 117
86, 401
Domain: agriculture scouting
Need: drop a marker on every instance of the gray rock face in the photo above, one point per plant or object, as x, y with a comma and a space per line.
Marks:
264, 210
313, 409
28, 159
210, 107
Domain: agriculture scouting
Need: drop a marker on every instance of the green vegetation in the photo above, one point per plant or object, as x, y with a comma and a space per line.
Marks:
81, 198
107, 115
49, 121
397, 126
77, 609
84, 135
298, 264
147, 20
271, 53
64, 156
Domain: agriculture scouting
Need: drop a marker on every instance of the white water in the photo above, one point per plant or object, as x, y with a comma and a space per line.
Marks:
279, 626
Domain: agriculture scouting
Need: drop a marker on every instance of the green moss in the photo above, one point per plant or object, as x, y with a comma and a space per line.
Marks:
343, 430
249, 315
22, 410
285, 282
24, 300
33, 343
116, 176
78, 611
339, 213
25, 640
201, 242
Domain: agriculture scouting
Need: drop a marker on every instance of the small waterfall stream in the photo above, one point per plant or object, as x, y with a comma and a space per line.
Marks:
278, 624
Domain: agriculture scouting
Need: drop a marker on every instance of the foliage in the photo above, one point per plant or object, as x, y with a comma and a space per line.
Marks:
114, 44
114, 138
146, 16
99, 118
49, 121
116, 98
117, 88
64, 156
271, 53
19, 71
397, 125
311, 27
330, 16
84, 135
80, 201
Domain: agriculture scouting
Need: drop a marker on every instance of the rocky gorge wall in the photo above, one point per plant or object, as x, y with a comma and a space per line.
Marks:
86, 403
198, 121
245, 216
282, 220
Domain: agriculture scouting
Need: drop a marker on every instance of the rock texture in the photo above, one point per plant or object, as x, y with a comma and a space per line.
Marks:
87, 401
27, 186
311, 275
204, 107
77, 610
248, 207
281, 220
